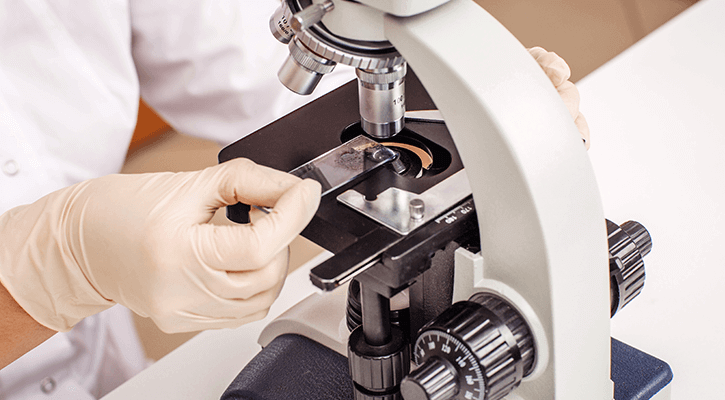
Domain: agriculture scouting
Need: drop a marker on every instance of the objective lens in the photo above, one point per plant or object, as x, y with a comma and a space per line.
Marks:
382, 100
303, 69
279, 24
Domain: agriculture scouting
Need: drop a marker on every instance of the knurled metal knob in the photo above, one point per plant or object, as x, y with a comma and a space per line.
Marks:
628, 244
309, 60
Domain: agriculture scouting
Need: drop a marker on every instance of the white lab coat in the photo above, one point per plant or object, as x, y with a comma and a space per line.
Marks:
71, 72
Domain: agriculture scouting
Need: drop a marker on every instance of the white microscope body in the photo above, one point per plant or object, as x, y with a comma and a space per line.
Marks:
543, 240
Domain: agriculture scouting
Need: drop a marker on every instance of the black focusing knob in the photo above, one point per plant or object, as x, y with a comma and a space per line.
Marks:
628, 244
479, 349
378, 370
434, 380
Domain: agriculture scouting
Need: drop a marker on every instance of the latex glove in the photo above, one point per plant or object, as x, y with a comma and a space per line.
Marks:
559, 73
144, 241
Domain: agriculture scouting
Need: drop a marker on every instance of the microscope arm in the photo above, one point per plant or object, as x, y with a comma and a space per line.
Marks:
539, 212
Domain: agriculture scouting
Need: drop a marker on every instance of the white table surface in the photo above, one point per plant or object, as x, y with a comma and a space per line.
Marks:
657, 116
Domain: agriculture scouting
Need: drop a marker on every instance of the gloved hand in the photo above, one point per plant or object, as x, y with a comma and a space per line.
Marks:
559, 73
144, 241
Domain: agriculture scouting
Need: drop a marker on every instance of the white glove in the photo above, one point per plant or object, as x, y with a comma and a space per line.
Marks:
144, 241
559, 73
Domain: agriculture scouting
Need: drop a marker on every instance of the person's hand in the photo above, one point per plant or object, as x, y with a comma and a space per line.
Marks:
559, 73
144, 241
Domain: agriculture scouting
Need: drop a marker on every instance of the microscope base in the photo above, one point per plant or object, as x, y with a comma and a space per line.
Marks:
638, 375
295, 367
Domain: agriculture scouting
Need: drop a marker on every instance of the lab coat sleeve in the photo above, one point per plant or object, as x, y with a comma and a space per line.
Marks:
209, 66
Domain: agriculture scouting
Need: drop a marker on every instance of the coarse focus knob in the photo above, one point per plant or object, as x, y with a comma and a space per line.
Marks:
628, 244
485, 341
434, 380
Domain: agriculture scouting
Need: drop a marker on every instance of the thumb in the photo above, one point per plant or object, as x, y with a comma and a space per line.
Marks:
242, 180
259, 242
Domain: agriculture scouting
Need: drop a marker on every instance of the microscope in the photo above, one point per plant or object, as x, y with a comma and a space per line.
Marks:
472, 259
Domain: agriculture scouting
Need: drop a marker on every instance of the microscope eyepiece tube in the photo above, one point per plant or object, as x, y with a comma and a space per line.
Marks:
303, 69
382, 100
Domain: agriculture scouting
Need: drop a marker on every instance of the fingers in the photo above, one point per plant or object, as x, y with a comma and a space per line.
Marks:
241, 180
228, 299
246, 284
559, 73
292, 212
554, 66
252, 246
255, 214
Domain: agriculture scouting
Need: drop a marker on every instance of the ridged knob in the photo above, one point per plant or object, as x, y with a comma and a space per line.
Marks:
378, 368
434, 380
486, 342
639, 234
628, 244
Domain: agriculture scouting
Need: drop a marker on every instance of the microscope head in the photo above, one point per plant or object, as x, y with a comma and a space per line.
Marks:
315, 50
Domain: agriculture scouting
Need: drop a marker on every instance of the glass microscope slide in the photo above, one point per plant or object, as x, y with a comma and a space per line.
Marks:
345, 163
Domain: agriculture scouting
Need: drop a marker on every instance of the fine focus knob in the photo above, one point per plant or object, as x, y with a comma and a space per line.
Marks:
628, 244
479, 349
434, 380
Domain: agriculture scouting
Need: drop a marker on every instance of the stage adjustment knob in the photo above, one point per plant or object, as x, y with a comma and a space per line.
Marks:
628, 244
378, 370
478, 349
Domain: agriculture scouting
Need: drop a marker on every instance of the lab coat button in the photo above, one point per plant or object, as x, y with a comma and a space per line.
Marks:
10, 167
47, 385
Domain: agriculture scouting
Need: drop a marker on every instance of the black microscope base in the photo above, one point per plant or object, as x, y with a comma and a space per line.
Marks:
295, 367
637, 375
